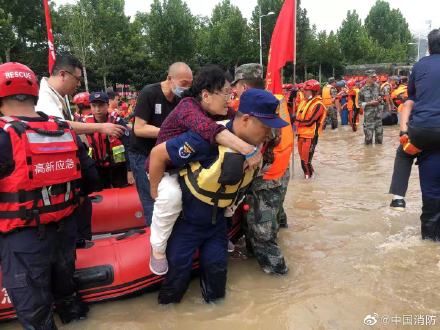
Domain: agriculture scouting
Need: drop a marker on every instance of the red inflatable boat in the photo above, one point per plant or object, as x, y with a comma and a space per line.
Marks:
116, 210
118, 265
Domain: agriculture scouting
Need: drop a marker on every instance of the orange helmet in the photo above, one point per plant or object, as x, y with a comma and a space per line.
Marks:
82, 98
300, 85
312, 85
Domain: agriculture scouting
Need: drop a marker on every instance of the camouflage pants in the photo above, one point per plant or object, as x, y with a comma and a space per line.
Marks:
282, 217
373, 125
332, 117
264, 200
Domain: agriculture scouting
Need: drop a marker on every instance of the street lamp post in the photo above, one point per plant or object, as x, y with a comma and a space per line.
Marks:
261, 44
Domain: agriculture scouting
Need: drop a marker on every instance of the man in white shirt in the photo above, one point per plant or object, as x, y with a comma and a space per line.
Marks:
65, 78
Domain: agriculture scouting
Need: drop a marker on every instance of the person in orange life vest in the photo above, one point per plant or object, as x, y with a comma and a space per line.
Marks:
400, 94
109, 153
41, 164
329, 94
309, 120
353, 104
81, 100
299, 96
385, 92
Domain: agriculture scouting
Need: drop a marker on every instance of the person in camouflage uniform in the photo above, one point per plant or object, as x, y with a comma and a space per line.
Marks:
369, 97
282, 217
264, 197
330, 103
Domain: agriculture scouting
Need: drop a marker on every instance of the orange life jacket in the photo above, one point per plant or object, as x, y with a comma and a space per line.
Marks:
283, 150
42, 187
353, 99
386, 83
327, 98
305, 113
399, 96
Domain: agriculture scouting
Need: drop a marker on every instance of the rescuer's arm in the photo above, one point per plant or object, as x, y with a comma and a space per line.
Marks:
90, 128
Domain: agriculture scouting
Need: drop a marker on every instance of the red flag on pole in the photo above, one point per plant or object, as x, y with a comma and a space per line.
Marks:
49, 35
282, 46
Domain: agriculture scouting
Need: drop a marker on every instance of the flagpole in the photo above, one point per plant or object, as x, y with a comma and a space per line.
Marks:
294, 81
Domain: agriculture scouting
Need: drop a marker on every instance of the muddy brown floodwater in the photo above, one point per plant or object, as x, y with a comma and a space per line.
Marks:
349, 255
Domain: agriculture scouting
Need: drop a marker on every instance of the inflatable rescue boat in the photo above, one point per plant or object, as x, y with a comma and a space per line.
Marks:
114, 265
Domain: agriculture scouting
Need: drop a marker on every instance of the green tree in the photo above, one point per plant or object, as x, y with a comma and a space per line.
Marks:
22, 33
387, 26
267, 25
170, 33
228, 42
77, 28
110, 29
355, 42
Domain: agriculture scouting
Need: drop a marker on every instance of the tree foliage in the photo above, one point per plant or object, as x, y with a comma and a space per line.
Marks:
138, 50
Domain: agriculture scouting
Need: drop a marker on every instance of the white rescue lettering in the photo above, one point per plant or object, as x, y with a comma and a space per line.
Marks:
6, 299
17, 74
51, 167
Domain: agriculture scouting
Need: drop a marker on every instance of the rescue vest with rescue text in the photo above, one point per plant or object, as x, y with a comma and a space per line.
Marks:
43, 185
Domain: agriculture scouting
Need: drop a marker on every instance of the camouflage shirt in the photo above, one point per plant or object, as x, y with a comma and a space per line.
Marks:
369, 93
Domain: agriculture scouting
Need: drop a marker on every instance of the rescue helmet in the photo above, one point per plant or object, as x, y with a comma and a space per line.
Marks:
300, 85
351, 83
17, 79
124, 106
312, 85
383, 78
82, 98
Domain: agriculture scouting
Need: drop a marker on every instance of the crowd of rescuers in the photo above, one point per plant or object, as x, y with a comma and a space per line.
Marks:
314, 107
203, 149
195, 155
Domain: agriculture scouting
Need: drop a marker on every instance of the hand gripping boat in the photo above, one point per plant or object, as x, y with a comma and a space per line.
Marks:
118, 265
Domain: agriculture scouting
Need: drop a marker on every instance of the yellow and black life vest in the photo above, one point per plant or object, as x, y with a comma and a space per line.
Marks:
220, 183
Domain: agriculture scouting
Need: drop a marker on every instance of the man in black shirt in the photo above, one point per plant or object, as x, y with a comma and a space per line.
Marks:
154, 104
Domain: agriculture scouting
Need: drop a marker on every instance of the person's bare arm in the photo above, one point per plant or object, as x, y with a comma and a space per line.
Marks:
404, 115
104, 128
158, 160
230, 140
142, 129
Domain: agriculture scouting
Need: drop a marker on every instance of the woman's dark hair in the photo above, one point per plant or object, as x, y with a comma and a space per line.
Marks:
434, 42
211, 78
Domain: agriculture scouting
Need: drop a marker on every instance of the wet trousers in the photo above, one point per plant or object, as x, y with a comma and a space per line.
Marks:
353, 118
211, 242
401, 172
261, 227
39, 272
306, 150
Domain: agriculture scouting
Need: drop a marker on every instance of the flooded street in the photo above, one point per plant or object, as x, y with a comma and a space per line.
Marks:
349, 255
